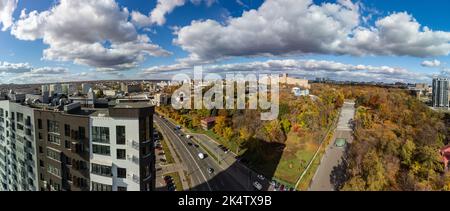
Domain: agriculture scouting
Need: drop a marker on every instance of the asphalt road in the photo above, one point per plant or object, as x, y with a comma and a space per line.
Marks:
197, 169
228, 160
328, 175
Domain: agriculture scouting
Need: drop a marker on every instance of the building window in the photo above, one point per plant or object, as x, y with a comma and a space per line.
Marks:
67, 130
81, 132
101, 150
41, 150
54, 155
121, 173
53, 126
121, 154
120, 135
121, 188
101, 187
53, 170
54, 139
19, 117
100, 134
67, 144
40, 123
101, 170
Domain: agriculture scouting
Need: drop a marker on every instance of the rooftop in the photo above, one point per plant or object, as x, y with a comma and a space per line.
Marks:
136, 105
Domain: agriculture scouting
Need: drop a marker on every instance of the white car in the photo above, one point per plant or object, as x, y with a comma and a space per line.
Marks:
201, 156
257, 185
188, 136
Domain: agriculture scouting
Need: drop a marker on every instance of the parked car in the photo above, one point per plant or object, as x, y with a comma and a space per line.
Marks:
201, 156
261, 177
196, 146
188, 136
257, 185
190, 144
281, 188
210, 170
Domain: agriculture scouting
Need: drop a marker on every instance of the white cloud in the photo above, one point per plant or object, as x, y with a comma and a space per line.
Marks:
6, 67
7, 8
306, 68
163, 7
284, 27
96, 33
431, 63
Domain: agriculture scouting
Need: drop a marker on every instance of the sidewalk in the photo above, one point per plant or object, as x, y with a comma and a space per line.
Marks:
177, 167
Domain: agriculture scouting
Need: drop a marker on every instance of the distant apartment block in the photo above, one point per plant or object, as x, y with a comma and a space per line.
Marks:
85, 88
130, 88
440, 96
285, 79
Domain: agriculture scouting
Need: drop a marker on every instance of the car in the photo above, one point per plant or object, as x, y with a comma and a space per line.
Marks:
210, 170
340, 142
291, 189
190, 144
257, 185
196, 146
201, 156
167, 178
260, 177
188, 136
281, 188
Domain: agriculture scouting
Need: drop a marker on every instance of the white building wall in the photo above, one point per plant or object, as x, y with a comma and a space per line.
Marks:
132, 134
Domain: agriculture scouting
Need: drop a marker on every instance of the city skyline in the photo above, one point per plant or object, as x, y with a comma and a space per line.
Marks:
61, 41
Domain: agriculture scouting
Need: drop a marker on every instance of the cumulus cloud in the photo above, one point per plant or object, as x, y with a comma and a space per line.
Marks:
7, 8
96, 33
431, 63
163, 7
285, 27
306, 68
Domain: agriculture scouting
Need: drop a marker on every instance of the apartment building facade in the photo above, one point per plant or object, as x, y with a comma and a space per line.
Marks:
121, 148
18, 161
63, 149
440, 97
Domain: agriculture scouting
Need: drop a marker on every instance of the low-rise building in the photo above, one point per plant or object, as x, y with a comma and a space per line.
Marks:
208, 123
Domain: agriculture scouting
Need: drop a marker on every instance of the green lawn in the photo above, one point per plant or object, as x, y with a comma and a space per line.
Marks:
169, 157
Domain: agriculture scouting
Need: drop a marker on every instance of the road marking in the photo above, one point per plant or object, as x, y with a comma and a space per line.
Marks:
204, 177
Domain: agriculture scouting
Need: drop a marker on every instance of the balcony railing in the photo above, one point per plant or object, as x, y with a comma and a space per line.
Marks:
133, 159
133, 144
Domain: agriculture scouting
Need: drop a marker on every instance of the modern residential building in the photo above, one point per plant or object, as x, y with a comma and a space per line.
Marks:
130, 88
122, 150
440, 94
63, 148
18, 163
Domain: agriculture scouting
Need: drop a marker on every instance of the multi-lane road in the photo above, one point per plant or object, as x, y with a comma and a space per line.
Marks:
197, 169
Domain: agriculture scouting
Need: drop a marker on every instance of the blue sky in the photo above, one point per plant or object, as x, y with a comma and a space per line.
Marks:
131, 42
